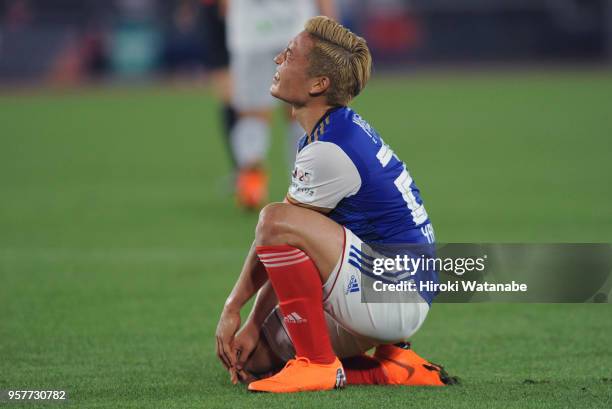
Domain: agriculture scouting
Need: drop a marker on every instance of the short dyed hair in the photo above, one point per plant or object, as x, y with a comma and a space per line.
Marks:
340, 55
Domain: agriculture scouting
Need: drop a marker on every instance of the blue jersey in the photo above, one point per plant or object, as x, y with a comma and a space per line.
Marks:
345, 166
387, 206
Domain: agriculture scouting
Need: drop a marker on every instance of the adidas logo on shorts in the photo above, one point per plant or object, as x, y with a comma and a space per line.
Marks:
353, 285
294, 318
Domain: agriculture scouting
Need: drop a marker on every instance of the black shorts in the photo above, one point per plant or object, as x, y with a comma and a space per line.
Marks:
213, 29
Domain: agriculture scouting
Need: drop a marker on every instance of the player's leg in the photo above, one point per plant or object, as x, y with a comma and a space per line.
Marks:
388, 324
321, 238
275, 337
363, 325
217, 62
222, 87
390, 365
403, 366
250, 137
274, 348
299, 249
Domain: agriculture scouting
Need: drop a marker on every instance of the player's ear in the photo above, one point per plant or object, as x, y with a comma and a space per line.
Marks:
318, 86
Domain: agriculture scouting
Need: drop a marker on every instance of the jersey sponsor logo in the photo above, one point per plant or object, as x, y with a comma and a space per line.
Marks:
353, 285
294, 318
301, 175
300, 181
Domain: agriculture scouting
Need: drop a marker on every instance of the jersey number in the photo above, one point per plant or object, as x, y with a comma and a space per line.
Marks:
403, 183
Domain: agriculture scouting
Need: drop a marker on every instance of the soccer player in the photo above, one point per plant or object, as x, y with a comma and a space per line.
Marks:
304, 264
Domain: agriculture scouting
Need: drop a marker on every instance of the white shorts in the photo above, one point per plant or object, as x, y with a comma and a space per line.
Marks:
354, 326
252, 74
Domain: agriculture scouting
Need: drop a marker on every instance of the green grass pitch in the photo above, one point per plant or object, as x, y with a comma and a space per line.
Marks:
119, 243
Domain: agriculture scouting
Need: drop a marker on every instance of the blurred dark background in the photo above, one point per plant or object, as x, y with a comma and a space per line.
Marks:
69, 41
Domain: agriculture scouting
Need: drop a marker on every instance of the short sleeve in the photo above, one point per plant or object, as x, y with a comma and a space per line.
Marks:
323, 176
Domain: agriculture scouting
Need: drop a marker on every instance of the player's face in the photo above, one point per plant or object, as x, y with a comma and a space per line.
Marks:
291, 82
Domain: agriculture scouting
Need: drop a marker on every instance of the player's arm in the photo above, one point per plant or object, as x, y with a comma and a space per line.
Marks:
251, 279
248, 337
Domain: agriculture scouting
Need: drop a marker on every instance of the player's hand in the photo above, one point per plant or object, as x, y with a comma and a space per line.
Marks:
244, 344
228, 325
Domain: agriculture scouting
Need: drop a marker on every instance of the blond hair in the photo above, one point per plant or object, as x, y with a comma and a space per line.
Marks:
340, 55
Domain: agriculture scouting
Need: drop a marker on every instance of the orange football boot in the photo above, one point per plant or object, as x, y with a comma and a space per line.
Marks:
403, 366
252, 188
301, 375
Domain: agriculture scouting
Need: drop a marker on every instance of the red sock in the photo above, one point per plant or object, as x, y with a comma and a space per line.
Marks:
297, 284
363, 370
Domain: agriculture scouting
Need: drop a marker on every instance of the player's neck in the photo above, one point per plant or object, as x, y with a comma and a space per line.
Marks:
308, 116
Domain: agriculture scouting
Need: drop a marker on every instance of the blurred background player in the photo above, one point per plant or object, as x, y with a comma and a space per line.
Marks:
256, 30
217, 61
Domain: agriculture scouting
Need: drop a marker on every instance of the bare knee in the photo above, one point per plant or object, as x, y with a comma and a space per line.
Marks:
272, 225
